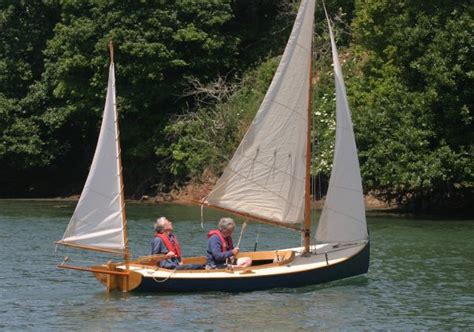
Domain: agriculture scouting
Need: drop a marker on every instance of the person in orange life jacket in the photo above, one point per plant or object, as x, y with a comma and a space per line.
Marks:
220, 247
165, 242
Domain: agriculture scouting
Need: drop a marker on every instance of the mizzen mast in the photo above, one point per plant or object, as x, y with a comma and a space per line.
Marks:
126, 254
307, 195
98, 222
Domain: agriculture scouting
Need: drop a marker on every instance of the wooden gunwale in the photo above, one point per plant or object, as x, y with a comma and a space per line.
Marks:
288, 257
334, 262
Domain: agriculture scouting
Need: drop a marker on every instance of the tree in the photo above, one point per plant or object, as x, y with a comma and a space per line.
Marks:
25, 26
53, 85
412, 104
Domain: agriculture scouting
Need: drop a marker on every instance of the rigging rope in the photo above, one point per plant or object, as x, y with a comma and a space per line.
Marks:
166, 279
202, 216
256, 238
67, 259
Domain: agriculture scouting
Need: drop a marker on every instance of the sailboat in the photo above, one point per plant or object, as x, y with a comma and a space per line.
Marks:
267, 180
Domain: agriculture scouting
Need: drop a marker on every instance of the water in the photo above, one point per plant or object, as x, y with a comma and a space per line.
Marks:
421, 277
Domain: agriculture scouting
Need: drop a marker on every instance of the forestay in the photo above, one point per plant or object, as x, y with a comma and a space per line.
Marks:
266, 176
97, 222
343, 217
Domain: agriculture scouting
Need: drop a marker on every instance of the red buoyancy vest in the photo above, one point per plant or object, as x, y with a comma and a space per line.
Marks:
223, 240
170, 246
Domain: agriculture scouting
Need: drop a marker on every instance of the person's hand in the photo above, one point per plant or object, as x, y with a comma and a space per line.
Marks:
235, 251
170, 254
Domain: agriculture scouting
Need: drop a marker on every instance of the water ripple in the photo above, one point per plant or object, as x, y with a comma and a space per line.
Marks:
420, 278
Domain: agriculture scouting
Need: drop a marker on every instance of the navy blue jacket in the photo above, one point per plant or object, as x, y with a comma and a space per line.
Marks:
215, 256
159, 247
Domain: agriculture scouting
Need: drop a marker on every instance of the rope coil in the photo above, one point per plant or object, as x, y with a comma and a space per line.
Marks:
166, 279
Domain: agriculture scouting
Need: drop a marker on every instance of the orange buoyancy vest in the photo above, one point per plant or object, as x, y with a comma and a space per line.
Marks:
225, 245
174, 247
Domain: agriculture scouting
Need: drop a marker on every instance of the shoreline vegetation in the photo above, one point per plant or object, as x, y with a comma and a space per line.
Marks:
192, 193
188, 88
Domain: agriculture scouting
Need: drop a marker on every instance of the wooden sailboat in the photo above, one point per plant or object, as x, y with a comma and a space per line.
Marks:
267, 180
99, 222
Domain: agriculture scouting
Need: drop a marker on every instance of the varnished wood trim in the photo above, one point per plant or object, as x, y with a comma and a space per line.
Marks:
126, 252
88, 269
286, 255
80, 246
307, 194
111, 50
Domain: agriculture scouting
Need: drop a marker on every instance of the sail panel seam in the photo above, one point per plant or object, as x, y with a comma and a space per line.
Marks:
344, 214
293, 111
88, 223
101, 194
262, 186
347, 188
268, 167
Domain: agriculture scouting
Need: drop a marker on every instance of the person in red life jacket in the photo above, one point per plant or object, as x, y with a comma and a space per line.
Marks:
220, 247
165, 242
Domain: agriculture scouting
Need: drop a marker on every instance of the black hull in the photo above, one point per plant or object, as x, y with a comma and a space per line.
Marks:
355, 265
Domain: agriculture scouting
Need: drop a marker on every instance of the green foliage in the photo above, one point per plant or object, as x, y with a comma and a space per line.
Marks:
204, 141
53, 67
408, 69
324, 98
156, 48
412, 104
25, 28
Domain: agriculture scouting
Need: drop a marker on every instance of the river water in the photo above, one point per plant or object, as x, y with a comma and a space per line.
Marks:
421, 277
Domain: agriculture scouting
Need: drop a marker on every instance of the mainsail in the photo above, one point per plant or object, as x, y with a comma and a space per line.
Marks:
343, 216
266, 176
98, 220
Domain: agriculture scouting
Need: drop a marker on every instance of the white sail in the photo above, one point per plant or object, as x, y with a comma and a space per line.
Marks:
343, 216
266, 176
97, 222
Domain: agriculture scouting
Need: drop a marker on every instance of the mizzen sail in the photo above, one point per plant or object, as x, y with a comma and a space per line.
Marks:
343, 216
98, 220
266, 176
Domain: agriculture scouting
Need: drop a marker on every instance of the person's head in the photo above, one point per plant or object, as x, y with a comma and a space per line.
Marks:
162, 224
226, 226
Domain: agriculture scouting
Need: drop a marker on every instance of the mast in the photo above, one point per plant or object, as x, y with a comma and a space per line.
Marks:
126, 254
98, 222
307, 194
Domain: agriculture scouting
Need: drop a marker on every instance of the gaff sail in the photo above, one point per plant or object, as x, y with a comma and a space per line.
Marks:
266, 176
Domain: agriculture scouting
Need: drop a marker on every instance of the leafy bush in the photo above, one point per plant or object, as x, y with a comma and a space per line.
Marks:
206, 139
